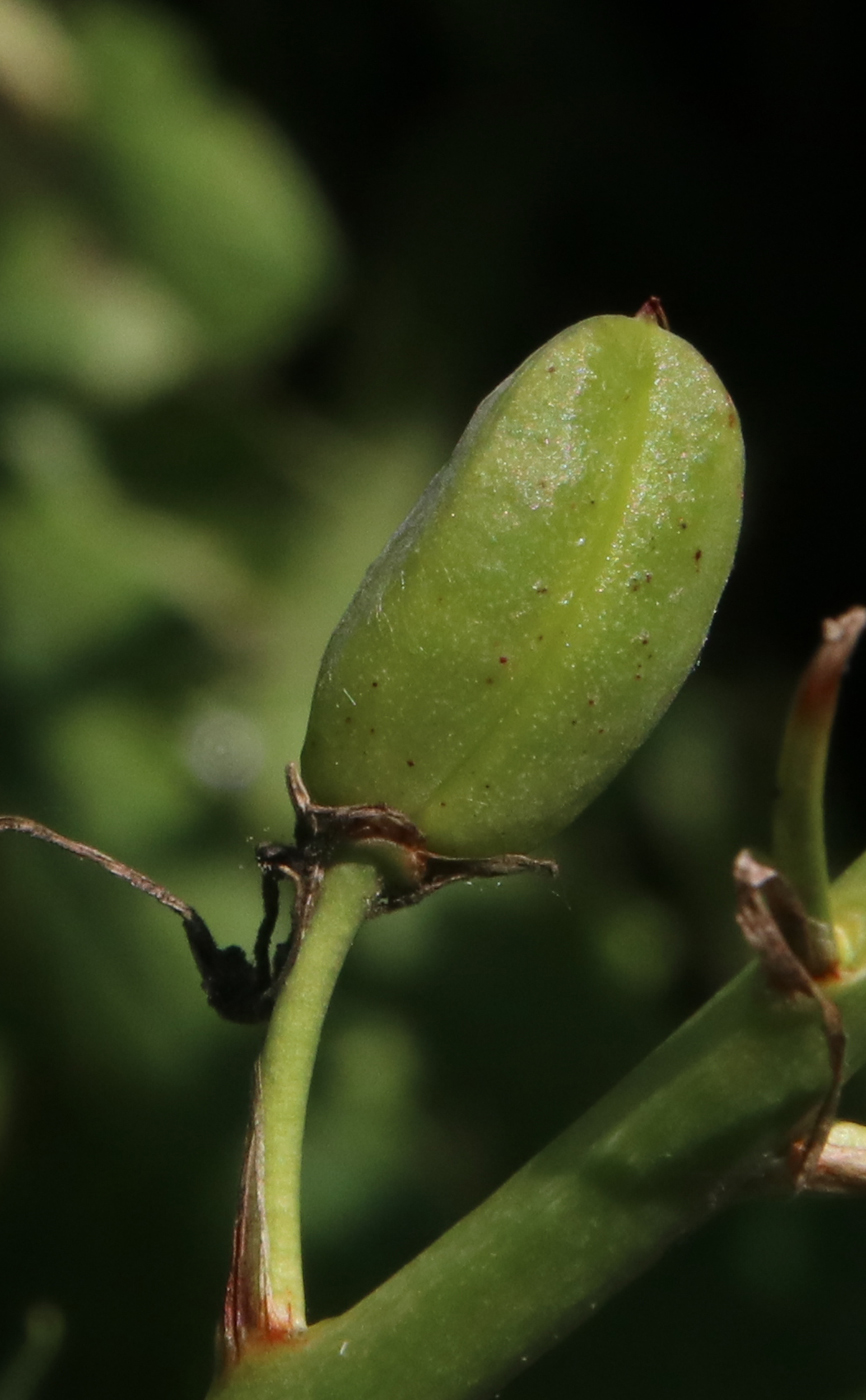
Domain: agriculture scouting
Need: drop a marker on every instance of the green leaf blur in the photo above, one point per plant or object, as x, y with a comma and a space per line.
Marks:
257, 264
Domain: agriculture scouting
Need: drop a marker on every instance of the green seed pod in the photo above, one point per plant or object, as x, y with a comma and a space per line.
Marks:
533, 617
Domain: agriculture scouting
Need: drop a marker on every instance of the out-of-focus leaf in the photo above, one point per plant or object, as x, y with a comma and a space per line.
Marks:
155, 226
78, 563
201, 186
363, 1135
93, 742
38, 68
72, 312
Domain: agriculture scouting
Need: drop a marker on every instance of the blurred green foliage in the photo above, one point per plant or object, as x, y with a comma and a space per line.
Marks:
214, 408
154, 226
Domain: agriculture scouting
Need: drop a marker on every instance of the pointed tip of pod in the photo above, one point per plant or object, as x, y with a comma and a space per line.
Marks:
652, 310
540, 607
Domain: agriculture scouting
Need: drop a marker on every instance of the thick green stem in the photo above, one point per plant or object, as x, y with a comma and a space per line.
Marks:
286, 1070
715, 1105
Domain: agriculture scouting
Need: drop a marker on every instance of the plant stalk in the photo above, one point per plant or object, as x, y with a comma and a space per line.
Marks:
266, 1289
706, 1115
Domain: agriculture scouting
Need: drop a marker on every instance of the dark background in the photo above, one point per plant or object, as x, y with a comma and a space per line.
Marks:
177, 542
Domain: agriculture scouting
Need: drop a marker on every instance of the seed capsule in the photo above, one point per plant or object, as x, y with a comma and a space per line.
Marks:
540, 607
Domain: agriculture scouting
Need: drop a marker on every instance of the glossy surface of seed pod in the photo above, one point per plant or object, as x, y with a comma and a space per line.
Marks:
532, 618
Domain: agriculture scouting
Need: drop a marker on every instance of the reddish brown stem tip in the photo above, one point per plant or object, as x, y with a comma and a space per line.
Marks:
819, 687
